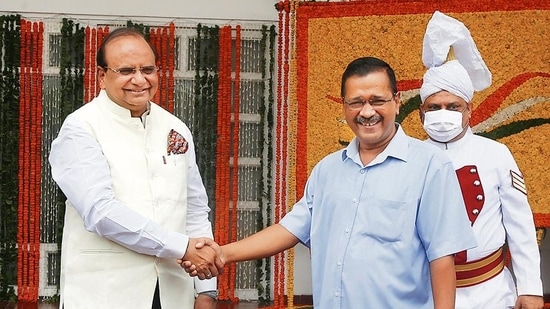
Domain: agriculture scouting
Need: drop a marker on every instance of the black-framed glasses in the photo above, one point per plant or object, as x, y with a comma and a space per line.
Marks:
146, 70
359, 103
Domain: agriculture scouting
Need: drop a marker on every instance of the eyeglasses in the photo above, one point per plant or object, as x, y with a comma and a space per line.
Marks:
358, 104
147, 70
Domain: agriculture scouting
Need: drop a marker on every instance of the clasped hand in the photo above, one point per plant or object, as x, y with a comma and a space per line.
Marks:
203, 258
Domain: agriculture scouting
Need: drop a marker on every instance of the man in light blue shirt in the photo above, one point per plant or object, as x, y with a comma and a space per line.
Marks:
382, 217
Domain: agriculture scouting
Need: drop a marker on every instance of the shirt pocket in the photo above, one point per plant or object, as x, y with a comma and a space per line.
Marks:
175, 160
383, 220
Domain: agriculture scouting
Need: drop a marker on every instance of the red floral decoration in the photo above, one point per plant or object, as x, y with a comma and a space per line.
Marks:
222, 225
30, 132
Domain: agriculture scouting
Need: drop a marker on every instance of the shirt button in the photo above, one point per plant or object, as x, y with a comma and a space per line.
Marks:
347, 230
354, 200
336, 294
362, 171
339, 263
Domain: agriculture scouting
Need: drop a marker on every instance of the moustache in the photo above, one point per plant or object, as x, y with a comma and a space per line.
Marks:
368, 121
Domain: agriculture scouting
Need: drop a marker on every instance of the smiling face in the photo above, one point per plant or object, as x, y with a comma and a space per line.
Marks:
373, 125
133, 91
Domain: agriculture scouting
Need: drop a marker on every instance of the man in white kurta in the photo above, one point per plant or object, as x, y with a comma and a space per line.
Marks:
134, 193
492, 185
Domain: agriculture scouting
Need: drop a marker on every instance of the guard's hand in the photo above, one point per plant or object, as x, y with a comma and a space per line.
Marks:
529, 302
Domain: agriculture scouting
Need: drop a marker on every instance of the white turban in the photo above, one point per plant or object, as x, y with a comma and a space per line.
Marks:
461, 77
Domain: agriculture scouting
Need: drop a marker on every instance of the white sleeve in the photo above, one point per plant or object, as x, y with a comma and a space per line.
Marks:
205, 285
82, 172
520, 228
198, 223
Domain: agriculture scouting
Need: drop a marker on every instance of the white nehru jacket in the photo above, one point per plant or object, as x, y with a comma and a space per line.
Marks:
461, 77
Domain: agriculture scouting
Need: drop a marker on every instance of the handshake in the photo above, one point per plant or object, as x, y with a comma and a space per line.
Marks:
203, 259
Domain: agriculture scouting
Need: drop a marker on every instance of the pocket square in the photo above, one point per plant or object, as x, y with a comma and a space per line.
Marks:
177, 144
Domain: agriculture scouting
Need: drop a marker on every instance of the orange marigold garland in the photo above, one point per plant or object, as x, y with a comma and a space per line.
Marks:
293, 151
87, 64
101, 34
94, 85
171, 65
36, 133
90, 64
162, 38
223, 145
278, 132
28, 237
281, 147
153, 41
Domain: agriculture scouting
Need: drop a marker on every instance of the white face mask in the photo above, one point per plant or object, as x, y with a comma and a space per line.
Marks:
443, 125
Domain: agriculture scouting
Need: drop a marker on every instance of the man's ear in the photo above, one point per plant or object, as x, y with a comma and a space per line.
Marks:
469, 108
101, 77
398, 102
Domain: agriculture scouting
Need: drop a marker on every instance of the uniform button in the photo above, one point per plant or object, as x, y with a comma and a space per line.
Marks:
362, 172
339, 263
479, 197
475, 211
336, 294
354, 200
477, 183
473, 170
347, 230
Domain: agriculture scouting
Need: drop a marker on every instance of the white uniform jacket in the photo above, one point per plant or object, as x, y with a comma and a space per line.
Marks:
503, 215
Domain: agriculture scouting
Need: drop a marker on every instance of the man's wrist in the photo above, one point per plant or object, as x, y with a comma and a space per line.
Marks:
212, 294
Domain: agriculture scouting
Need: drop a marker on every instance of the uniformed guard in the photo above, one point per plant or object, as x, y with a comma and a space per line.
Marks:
492, 185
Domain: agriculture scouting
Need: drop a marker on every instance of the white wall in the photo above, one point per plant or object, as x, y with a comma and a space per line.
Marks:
223, 10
